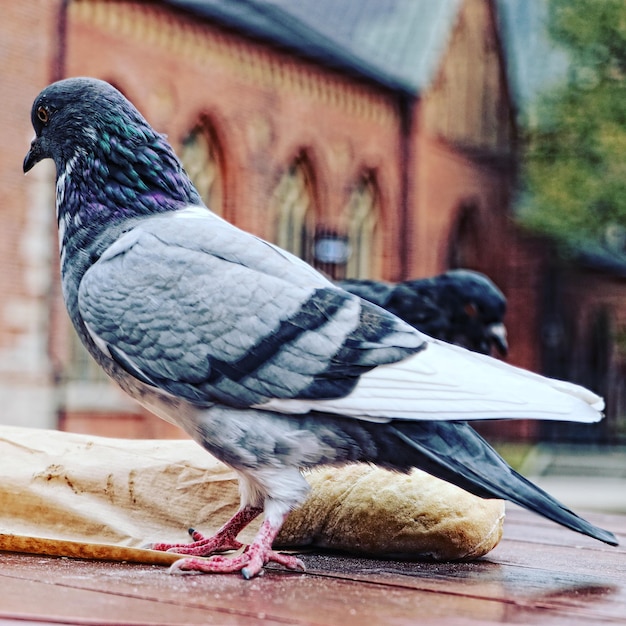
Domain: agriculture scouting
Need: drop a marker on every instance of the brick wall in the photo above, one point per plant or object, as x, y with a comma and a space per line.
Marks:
27, 246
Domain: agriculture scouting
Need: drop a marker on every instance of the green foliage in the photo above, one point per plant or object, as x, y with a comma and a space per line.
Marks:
575, 162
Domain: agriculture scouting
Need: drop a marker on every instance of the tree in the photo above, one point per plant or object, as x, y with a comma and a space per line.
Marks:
575, 159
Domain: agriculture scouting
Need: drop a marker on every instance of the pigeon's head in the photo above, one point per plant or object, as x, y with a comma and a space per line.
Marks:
479, 308
106, 154
79, 115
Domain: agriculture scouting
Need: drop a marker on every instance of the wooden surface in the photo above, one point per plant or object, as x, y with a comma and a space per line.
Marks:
539, 574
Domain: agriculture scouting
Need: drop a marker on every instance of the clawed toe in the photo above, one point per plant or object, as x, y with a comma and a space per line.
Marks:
201, 545
250, 564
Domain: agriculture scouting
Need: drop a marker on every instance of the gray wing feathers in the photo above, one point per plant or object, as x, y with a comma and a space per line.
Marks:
212, 314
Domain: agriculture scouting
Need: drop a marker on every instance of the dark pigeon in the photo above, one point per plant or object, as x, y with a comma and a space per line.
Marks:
257, 356
460, 306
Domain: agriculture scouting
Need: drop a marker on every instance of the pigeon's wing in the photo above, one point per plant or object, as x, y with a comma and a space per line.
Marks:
375, 291
412, 301
207, 312
447, 382
416, 302
210, 313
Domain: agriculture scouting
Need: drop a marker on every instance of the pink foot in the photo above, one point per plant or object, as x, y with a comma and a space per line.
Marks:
250, 563
201, 545
224, 540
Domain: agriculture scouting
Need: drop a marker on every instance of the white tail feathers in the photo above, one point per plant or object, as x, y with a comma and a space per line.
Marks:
446, 382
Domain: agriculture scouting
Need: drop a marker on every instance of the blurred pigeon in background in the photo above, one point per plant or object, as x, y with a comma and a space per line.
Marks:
262, 360
460, 306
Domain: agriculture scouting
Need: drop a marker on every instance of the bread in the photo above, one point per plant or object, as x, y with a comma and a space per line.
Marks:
371, 511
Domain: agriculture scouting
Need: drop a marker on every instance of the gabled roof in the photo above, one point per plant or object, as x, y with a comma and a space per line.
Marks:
403, 38
534, 62
261, 20
396, 43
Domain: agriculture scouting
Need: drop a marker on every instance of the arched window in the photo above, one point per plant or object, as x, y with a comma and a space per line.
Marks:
362, 217
202, 159
465, 241
293, 207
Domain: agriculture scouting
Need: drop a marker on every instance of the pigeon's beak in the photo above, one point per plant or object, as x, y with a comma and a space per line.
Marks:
497, 336
34, 155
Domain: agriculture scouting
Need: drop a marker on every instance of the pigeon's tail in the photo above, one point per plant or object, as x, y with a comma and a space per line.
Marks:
456, 453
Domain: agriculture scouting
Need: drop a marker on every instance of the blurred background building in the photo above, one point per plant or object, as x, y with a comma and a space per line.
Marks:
373, 138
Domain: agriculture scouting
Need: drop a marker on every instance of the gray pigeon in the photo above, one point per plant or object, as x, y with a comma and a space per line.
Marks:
262, 360
459, 306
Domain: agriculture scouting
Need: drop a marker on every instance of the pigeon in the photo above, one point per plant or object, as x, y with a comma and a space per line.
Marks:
460, 306
262, 360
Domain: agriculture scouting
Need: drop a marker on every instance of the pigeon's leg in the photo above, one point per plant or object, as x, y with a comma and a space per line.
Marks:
280, 490
250, 563
223, 540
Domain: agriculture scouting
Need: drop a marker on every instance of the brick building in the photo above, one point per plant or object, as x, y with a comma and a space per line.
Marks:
389, 167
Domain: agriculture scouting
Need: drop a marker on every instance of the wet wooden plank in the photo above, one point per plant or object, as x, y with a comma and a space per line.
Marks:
275, 598
519, 585
521, 523
325, 596
540, 574
603, 561
55, 602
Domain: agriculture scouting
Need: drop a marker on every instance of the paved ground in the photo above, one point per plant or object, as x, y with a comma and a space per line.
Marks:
588, 478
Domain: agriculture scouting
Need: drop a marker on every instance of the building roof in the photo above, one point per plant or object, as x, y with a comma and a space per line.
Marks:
601, 258
405, 39
396, 43
534, 61
270, 22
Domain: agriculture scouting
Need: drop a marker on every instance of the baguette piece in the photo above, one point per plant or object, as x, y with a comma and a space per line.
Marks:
372, 511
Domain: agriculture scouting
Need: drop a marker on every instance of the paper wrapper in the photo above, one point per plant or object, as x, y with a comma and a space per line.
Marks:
92, 497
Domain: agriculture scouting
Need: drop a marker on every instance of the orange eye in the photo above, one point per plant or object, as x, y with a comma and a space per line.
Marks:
42, 114
471, 309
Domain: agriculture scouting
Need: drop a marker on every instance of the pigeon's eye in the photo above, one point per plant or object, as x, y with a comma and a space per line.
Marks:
471, 309
42, 114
